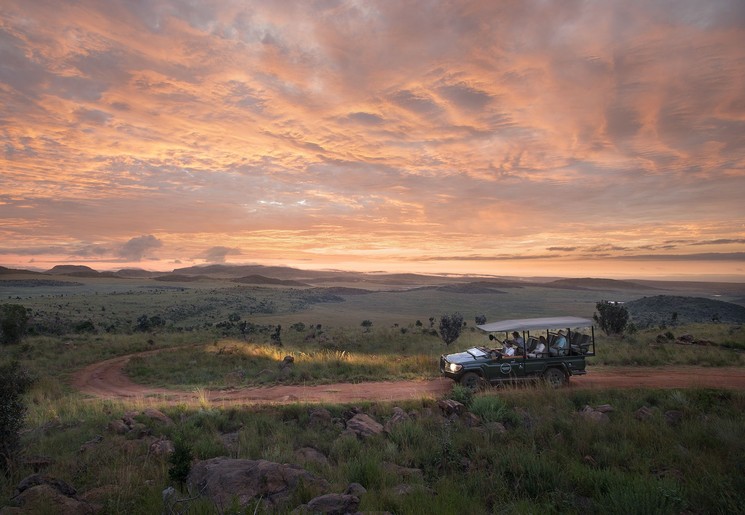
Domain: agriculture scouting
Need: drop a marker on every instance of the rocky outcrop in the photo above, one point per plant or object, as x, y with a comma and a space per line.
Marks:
364, 426
225, 480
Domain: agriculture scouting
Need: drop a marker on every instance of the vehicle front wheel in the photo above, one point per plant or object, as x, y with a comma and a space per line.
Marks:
472, 381
555, 377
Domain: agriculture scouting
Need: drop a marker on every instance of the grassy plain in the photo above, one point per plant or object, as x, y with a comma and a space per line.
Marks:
548, 459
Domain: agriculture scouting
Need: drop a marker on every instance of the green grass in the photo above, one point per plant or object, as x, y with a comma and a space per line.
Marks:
550, 459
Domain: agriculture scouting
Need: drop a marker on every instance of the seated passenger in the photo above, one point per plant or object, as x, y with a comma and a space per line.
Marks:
540, 348
519, 342
560, 345
508, 350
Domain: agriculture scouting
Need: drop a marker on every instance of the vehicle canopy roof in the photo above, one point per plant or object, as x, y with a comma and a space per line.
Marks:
527, 324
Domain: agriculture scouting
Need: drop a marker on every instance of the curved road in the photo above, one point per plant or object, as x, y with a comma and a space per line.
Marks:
106, 380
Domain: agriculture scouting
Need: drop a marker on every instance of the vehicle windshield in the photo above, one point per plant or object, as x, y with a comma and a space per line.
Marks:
476, 352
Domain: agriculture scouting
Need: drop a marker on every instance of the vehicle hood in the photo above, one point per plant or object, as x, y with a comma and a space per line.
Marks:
466, 356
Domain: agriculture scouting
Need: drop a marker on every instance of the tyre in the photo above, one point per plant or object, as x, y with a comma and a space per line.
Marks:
472, 381
555, 377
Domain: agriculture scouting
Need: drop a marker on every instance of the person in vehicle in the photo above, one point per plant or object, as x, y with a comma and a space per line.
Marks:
540, 348
519, 342
560, 345
508, 350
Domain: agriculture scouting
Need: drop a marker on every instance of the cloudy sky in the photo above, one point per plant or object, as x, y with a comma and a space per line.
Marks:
509, 138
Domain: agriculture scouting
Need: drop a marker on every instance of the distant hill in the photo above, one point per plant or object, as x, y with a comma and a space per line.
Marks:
262, 280
589, 283
9, 271
136, 273
471, 288
77, 271
177, 278
657, 310
35, 283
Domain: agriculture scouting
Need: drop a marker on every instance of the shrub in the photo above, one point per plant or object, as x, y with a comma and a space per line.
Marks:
13, 322
450, 327
15, 382
180, 460
611, 317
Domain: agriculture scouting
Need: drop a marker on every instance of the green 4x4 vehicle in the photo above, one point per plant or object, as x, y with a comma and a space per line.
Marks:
553, 352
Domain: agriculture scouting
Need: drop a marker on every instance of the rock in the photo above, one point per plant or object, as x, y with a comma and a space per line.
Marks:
158, 415
590, 414
118, 427
364, 426
46, 498
224, 479
471, 419
138, 430
335, 504
320, 417
686, 339
405, 489
644, 413
39, 479
398, 416
404, 472
496, 427
162, 447
311, 455
129, 418
355, 489
450, 407
605, 408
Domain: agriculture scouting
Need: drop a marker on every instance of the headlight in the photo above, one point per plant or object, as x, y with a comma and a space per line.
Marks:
454, 367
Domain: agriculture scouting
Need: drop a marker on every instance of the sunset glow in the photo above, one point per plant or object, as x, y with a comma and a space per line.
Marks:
504, 138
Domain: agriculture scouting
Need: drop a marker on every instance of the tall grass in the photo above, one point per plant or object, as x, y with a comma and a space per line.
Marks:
550, 459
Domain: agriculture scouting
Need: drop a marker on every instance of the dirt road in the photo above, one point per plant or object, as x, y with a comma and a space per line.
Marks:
106, 380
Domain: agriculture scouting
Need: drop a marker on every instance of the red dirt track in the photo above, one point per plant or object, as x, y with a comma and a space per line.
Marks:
106, 380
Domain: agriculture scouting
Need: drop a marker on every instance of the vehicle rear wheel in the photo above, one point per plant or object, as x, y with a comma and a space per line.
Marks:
472, 381
555, 377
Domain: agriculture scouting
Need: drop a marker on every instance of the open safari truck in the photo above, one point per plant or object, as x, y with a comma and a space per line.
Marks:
555, 362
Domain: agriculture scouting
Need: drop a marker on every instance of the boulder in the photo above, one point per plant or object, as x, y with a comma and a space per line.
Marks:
162, 447
644, 413
364, 426
450, 407
320, 417
46, 498
335, 504
158, 415
470, 419
39, 479
224, 480
673, 417
592, 415
311, 455
398, 416
355, 489
118, 427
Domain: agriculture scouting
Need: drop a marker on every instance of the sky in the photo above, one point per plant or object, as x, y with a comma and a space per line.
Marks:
531, 138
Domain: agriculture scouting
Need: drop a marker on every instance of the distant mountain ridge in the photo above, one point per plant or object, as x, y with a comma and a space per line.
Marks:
591, 283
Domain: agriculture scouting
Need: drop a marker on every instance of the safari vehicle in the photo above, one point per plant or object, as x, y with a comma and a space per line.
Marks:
481, 366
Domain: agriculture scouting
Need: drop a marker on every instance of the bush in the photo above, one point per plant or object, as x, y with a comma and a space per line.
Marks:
15, 382
180, 460
611, 317
13, 322
450, 327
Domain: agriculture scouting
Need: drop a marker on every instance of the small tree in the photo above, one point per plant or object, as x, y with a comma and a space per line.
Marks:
367, 324
450, 327
276, 337
14, 383
13, 322
480, 319
612, 317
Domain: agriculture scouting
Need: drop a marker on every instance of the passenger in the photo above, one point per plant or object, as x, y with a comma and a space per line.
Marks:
508, 350
540, 348
519, 342
560, 345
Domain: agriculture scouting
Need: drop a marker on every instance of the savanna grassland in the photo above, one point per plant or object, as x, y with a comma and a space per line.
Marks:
530, 450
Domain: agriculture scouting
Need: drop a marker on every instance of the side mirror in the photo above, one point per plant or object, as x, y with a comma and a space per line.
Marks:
491, 336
